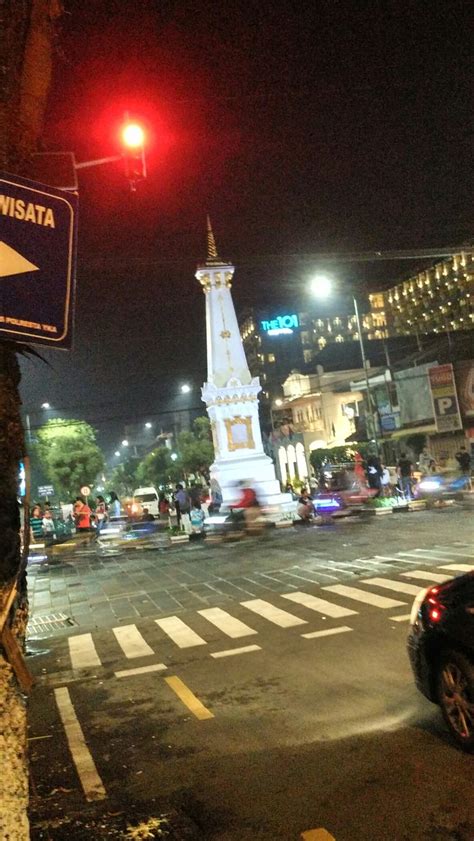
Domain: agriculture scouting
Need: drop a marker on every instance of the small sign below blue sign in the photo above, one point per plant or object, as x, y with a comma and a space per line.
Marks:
38, 226
281, 325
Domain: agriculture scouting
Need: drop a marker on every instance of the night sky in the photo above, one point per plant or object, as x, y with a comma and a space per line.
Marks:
336, 127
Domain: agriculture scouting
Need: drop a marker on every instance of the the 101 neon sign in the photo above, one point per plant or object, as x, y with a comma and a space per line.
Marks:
280, 325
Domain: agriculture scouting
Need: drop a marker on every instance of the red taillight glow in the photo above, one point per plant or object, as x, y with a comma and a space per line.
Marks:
435, 608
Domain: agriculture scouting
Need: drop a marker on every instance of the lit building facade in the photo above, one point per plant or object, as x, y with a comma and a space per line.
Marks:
277, 344
437, 300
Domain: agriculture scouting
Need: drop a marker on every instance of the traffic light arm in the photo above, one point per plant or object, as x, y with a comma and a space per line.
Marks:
97, 162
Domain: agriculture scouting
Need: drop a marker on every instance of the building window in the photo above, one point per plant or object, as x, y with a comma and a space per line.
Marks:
307, 356
271, 357
339, 338
322, 342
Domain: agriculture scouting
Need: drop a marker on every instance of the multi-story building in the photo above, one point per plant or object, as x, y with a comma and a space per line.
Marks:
436, 300
282, 342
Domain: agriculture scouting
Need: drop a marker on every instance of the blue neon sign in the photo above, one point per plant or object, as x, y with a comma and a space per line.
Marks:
282, 324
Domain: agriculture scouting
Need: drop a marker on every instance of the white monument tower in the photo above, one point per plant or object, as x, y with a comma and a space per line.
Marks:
230, 392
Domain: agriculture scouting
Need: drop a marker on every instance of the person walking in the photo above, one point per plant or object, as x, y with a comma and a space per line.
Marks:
100, 512
464, 460
82, 515
36, 522
405, 470
182, 504
374, 473
426, 462
114, 506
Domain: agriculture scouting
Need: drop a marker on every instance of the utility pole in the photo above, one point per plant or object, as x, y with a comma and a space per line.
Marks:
25, 73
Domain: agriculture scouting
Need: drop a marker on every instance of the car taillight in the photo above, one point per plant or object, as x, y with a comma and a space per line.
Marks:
435, 608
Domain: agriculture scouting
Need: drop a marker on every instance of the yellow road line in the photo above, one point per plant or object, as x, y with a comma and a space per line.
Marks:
82, 757
188, 698
317, 835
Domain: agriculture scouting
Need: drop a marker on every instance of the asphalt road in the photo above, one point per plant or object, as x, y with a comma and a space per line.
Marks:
289, 734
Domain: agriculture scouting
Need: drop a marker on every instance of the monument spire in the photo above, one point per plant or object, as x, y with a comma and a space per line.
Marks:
212, 254
230, 392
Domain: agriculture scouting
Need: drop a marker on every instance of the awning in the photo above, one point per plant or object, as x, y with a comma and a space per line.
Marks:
414, 430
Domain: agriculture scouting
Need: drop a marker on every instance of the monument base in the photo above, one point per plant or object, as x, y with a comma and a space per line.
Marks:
259, 472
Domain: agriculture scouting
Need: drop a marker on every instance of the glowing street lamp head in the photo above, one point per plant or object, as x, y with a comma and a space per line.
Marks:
133, 136
278, 402
148, 425
124, 443
174, 456
185, 388
45, 406
117, 453
321, 286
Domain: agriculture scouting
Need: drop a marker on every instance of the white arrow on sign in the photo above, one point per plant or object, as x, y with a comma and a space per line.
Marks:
11, 262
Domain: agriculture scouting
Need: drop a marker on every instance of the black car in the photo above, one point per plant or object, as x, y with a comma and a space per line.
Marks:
441, 650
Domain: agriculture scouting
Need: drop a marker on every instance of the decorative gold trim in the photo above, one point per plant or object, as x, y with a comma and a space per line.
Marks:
220, 401
232, 445
225, 334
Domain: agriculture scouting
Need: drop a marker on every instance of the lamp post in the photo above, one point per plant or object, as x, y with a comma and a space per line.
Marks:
321, 287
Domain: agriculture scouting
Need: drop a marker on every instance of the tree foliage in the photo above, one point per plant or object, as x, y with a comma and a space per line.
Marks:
69, 455
124, 478
335, 455
194, 454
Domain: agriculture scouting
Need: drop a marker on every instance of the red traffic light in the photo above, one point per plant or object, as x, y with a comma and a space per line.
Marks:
133, 142
133, 136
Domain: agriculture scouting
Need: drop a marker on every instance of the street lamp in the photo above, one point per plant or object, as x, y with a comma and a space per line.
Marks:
117, 453
174, 456
124, 443
148, 425
321, 287
185, 388
45, 405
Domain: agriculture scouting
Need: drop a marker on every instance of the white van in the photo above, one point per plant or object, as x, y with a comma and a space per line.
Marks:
145, 498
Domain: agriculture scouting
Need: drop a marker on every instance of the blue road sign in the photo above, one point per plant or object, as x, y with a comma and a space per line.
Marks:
38, 226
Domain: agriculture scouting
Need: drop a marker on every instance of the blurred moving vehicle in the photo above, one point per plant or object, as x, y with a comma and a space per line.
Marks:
439, 486
441, 652
145, 498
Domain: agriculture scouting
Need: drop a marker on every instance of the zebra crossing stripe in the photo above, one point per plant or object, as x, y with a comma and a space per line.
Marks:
362, 596
328, 632
397, 586
458, 567
82, 652
226, 623
274, 614
131, 641
179, 632
427, 555
443, 550
335, 611
434, 577
405, 617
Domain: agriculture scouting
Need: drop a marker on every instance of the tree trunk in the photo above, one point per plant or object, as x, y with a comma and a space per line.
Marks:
13, 755
26, 32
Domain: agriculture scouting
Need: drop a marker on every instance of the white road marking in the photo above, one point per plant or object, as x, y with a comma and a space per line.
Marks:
328, 632
361, 596
179, 632
131, 641
444, 550
141, 670
395, 558
319, 605
397, 586
81, 755
226, 623
404, 618
231, 651
82, 652
458, 567
274, 614
434, 577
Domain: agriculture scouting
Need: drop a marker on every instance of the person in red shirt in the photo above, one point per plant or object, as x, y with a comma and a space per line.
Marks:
82, 515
